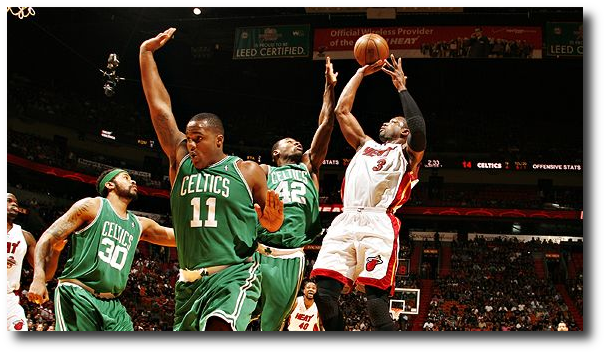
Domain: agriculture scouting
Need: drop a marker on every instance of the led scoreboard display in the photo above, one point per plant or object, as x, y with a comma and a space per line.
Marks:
454, 163
518, 166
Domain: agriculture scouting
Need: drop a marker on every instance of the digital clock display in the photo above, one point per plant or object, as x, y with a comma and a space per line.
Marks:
433, 164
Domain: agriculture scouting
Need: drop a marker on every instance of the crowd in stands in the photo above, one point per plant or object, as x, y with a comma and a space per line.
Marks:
149, 294
461, 48
476, 195
32, 100
575, 290
47, 152
493, 286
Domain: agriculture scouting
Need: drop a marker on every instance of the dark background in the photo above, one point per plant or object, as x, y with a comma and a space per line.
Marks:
518, 100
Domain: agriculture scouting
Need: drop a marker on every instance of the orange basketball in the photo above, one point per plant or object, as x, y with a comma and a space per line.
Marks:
369, 48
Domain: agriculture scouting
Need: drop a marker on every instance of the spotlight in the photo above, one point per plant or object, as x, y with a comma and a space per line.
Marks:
197, 11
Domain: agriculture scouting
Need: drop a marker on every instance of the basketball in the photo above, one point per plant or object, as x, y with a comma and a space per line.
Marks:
369, 48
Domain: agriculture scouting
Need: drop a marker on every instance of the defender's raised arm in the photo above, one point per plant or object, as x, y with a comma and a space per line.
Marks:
158, 100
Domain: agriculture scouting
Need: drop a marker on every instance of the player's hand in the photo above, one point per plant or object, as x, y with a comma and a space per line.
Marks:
372, 68
272, 216
331, 76
394, 69
10, 262
38, 293
158, 41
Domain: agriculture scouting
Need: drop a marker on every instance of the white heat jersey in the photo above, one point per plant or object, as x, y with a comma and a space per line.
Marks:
303, 318
16, 247
377, 177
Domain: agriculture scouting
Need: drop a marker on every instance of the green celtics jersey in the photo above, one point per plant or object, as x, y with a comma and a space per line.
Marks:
213, 214
102, 253
301, 207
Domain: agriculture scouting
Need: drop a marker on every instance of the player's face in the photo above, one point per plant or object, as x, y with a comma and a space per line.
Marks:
309, 290
125, 186
12, 206
202, 143
290, 148
391, 130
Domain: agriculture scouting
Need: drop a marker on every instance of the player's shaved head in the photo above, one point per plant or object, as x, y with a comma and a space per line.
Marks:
209, 120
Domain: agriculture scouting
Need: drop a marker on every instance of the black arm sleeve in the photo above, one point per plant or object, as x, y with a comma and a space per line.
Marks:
415, 120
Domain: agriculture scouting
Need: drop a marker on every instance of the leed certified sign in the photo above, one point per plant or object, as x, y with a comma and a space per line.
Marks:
272, 42
564, 39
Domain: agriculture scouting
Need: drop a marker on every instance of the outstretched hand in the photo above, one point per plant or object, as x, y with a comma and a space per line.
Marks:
158, 41
331, 76
272, 216
394, 69
372, 68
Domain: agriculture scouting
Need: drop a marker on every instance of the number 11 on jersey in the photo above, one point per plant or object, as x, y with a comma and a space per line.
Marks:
210, 216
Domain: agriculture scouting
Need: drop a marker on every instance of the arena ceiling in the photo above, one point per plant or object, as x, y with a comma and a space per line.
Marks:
69, 47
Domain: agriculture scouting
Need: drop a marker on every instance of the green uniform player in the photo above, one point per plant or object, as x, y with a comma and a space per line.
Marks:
296, 180
216, 227
296, 188
105, 270
104, 237
216, 202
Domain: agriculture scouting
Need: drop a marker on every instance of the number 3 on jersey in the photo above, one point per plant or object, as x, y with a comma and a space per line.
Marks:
379, 165
294, 194
210, 216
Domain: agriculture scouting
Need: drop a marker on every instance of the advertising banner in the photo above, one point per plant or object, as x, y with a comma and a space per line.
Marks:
435, 41
272, 42
564, 39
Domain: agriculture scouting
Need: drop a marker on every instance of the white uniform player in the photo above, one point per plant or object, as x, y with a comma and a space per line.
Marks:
376, 184
18, 244
361, 246
16, 248
303, 318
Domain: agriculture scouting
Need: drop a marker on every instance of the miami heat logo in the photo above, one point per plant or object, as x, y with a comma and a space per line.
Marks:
18, 325
371, 262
